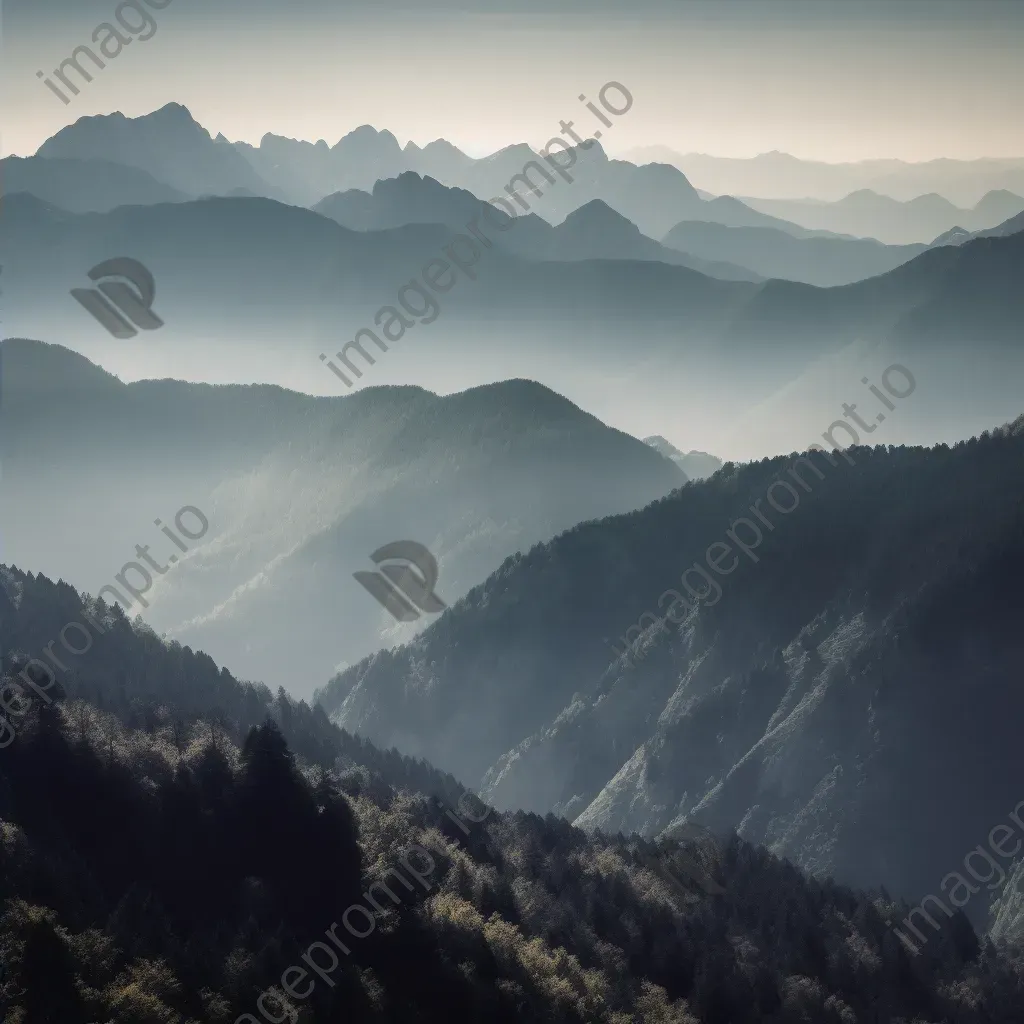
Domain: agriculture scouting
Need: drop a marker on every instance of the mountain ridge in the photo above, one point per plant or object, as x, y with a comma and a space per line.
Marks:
176, 761
299, 490
777, 741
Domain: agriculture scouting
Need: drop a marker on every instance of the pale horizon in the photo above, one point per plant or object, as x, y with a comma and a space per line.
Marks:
615, 153
724, 79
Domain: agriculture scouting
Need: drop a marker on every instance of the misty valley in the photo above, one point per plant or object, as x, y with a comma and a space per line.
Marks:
636, 640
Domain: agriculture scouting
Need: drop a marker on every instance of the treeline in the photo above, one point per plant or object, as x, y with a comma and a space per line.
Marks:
154, 876
159, 864
134, 674
822, 695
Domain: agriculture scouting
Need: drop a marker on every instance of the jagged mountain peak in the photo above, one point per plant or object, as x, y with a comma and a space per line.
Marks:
598, 214
367, 135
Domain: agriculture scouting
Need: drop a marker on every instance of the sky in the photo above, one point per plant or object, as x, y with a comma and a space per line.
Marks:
834, 81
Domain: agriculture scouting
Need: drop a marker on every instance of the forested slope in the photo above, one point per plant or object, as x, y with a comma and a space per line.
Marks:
161, 860
858, 664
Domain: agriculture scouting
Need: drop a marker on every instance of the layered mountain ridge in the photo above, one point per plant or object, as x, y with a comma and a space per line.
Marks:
809, 698
147, 760
298, 491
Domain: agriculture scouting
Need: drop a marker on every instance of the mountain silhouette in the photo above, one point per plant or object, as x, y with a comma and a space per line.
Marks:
251, 272
778, 175
175, 149
151, 758
84, 186
774, 253
694, 465
299, 491
167, 143
593, 231
867, 214
856, 662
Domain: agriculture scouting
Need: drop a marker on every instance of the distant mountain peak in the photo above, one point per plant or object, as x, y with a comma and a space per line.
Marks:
693, 464
271, 139
170, 118
521, 391
412, 183
407, 177
173, 117
954, 236
178, 110
597, 213
999, 203
437, 146
517, 149
932, 199
48, 368
595, 151
367, 134
999, 194
662, 445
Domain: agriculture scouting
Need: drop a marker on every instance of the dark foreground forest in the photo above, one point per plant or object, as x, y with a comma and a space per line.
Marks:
174, 840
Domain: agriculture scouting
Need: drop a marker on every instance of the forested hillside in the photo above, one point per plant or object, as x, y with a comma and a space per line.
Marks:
299, 490
163, 859
846, 692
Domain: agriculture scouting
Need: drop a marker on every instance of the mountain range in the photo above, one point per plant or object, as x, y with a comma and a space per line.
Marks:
298, 491
778, 175
84, 185
897, 223
694, 465
618, 336
672, 737
147, 760
959, 235
175, 150
592, 231
772, 252
852, 661
184, 160
168, 144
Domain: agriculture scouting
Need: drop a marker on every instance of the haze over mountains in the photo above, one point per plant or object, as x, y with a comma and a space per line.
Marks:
778, 175
593, 231
298, 491
169, 142
622, 338
853, 658
151, 761
627, 328
919, 219
777, 253
720, 465
695, 465
177, 152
